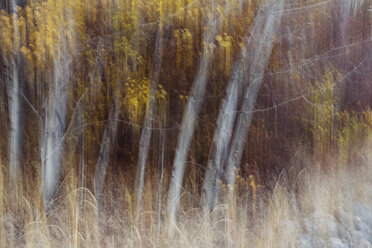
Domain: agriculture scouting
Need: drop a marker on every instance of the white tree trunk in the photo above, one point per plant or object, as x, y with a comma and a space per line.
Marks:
15, 106
258, 57
148, 120
226, 152
221, 138
189, 118
55, 124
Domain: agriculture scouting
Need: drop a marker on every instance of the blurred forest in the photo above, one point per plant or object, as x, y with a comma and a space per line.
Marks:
124, 97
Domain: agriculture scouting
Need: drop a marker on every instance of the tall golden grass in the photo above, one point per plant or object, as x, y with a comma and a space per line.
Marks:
255, 217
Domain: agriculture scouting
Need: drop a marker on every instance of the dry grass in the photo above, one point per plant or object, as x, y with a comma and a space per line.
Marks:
275, 220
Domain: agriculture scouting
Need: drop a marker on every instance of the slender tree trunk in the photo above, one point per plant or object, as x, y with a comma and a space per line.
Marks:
221, 138
55, 123
258, 56
250, 67
15, 106
148, 120
82, 164
108, 139
161, 179
189, 119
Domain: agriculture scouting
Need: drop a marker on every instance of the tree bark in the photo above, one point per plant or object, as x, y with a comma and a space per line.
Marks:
189, 118
148, 120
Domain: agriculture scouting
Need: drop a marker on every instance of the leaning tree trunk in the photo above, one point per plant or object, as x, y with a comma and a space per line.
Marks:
189, 118
258, 58
108, 140
249, 68
221, 138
